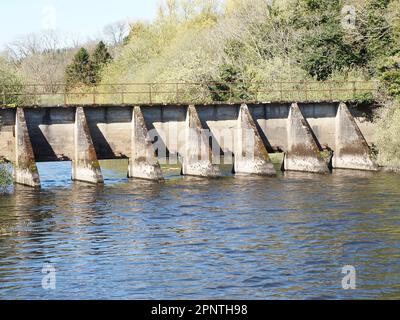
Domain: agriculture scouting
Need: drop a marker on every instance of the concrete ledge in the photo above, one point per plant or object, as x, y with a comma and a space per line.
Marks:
25, 169
303, 152
352, 150
143, 163
251, 156
85, 165
197, 157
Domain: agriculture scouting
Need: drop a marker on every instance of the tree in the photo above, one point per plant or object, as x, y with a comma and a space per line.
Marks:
325, 48
117, 32
389, 70
41, 58
100, 58
80, 71
230, 85
9, 82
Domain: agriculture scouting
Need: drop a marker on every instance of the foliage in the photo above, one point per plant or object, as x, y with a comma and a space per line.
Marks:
100, 58
5, 177
80, 71
389, 73
9, 82
388, 133
230, 86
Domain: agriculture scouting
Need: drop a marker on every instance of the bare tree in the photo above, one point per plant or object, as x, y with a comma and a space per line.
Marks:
40, 58
117, 32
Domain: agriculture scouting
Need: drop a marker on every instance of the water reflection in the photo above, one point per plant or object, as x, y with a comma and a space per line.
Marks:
235, 237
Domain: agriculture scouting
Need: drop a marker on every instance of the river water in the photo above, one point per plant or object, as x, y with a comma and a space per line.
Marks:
232, 238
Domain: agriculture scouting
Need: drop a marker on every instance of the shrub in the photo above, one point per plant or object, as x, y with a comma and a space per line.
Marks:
10, 85
5, 177
388, 133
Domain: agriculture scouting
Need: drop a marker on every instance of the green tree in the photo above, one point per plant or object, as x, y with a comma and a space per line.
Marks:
389, 74
100, 58
324, 48
9, 83
80, 71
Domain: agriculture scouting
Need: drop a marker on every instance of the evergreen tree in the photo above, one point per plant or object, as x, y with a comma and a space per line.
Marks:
80, 71
100, 58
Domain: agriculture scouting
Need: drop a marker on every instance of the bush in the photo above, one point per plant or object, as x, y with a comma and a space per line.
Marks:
388, 133
5, 177
229, 86
9, 83
389, 69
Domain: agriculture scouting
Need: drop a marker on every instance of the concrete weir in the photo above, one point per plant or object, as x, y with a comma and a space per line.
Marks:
303, 152
25, 169
86, 134
197, 154
251, 156
352, 150
143, 163
85, 165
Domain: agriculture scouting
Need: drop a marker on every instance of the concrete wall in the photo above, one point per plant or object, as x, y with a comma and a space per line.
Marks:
52, 129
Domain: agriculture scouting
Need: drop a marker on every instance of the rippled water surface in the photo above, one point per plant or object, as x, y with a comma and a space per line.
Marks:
231, 238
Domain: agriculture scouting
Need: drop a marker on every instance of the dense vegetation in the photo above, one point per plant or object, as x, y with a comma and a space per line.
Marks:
5, 177
85, 70
238, 41
260, 40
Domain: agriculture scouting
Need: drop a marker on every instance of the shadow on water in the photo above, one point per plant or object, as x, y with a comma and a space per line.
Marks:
229, 238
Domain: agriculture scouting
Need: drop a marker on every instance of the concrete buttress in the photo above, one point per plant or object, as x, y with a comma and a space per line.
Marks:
25, 169
352, 150
85, 165
251, 156
197, 154
143, 163
303, 152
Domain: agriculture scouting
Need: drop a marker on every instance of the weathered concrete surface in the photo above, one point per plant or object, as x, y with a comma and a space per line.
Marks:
197, 154
85, 165
143, 163
7, 134
351, 150
303, 153
251, 156
25, 169
52, 129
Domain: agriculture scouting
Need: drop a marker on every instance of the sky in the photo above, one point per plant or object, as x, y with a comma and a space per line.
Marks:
80, 19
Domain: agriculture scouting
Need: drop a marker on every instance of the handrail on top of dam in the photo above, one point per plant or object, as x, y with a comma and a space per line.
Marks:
59, 94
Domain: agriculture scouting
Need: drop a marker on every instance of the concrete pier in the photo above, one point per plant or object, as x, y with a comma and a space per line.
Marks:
197, 154
25, 169
303, 152
85, 165
251, 156
352, 150
143, 163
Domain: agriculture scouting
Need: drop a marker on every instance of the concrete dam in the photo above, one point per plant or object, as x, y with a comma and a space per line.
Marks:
197, 136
